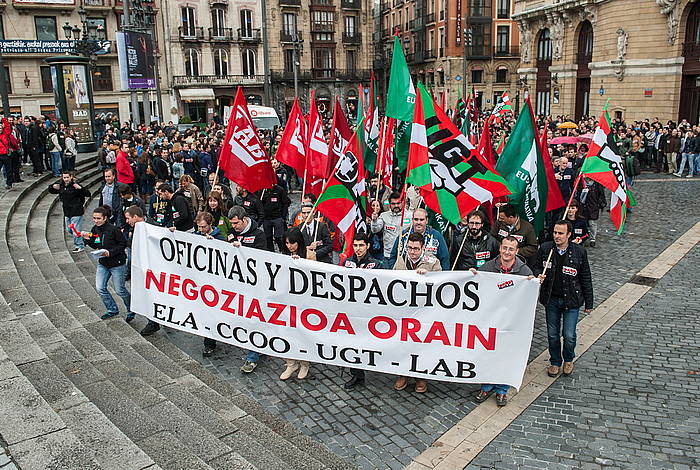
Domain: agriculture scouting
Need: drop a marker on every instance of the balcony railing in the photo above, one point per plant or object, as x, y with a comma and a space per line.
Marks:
217, 80
354, 4
288, 36
478, 52
288, 75
323, 27
506, 51
191, 33
321, 74
290, 3
430, 18
352, 38
220, 34
249, 35
352, 75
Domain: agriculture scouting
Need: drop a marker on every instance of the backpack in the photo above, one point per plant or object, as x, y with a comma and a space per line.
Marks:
50, 146
111, 157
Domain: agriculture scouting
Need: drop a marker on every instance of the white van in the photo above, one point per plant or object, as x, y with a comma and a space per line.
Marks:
263, 117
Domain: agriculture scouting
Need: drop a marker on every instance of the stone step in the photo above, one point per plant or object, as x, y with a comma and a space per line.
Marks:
306, 452
143, 397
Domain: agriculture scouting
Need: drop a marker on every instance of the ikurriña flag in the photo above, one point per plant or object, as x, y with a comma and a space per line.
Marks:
243, 157
344, 198
604, 164
452, 176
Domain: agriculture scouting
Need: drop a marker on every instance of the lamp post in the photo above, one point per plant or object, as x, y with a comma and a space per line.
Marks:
298, 47
467, 47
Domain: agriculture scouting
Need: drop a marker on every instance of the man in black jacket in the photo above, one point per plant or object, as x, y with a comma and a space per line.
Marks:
567, 286
479, 246
109, 193
317, 236
72, 197
275, 203
35, 145
179, 209
111, 246
251, 203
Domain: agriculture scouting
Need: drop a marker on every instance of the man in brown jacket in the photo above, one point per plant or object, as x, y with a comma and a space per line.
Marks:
510, 224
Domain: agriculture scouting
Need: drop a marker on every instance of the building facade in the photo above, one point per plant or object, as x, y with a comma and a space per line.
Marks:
30, 84
214, 46
327, 42
436, 43
642, 55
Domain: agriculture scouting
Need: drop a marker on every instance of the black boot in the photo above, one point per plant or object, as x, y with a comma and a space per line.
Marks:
149, 329
358, 378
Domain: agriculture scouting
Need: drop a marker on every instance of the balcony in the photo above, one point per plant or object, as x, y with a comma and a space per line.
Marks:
350, 4
430, 18
418, 23
190, 33
506, 51
430, 54
478, 52
289, 36
290, 3
323, 27
250, 36
323, 74
352, 75
183, 81
288, 75
220, 34
354, 37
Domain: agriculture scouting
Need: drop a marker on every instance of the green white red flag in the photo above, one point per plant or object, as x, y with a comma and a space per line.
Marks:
522, 165
451, 175
503, 107
344, 198
243, 157
604, 165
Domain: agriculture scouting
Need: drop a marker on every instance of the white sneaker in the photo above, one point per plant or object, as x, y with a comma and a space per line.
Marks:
677, 174
77, 249
689, 176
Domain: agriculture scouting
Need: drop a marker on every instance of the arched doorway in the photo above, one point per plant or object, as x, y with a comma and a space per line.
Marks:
544, 76
584, 56
689, 107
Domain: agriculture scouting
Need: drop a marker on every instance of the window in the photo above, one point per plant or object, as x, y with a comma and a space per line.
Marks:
101, 24
477, 76
350, 60
102, 78
289, 23
502, 39
502, 75
46, 81
248, 62
188, 21
323, 62
479, 40
191, 62
289, 60
441, 42
247, 24
220, 62
322, 37
350, 25
544, 46
477, 7
218, 22
503, 8
323, 20
7, 80
45, 28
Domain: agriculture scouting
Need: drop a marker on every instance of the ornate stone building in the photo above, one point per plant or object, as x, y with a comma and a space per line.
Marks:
328, 42
642, 54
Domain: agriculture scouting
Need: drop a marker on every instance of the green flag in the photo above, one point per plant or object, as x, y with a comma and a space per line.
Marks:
401, 97
522, 166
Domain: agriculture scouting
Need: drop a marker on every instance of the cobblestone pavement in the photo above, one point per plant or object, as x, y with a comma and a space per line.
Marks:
632, 401
376, 427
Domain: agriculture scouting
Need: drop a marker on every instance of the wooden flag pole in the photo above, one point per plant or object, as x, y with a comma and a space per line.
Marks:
461, 246
380, 150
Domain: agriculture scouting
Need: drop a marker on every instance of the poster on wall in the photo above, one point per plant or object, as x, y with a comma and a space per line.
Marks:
77, 101
136, 60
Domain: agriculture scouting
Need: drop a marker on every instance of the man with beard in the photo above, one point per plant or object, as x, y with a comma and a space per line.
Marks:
478, 247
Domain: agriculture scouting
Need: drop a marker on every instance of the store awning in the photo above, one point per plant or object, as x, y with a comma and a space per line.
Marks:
196, 94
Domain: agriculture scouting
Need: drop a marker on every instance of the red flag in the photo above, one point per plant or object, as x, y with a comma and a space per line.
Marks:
292, 148
243, 158
554, 198
485, 145
443, 100
339, 138
317, 155
386, 149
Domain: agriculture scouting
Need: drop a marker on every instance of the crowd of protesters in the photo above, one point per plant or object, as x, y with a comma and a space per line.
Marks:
165, 175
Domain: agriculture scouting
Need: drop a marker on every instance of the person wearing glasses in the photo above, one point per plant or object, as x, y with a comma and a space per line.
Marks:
479, 246
204, 225
390, 223
434, 242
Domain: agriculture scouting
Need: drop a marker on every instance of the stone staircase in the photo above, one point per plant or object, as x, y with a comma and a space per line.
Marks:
82, 393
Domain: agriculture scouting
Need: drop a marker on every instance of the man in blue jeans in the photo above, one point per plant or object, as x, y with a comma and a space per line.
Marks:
111, 262
566, 287
72, 197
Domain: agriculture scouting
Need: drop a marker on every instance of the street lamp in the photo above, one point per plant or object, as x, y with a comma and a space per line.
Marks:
298, 47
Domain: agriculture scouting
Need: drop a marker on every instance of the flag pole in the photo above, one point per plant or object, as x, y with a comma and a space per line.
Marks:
461, 246
382, 145
571, 198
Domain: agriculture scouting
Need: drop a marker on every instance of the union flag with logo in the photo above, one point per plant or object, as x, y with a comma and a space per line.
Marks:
243, 157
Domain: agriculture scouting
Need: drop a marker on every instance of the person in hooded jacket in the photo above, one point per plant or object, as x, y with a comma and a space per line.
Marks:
72, 197
8, 144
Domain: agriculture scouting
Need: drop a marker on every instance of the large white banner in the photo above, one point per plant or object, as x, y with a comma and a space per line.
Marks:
451, 326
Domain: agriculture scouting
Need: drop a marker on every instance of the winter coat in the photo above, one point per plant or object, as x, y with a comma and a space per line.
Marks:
110, 238
577, 285
72, 200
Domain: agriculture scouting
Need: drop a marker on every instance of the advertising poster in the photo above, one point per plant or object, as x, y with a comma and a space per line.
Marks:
77, 101
136, 60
